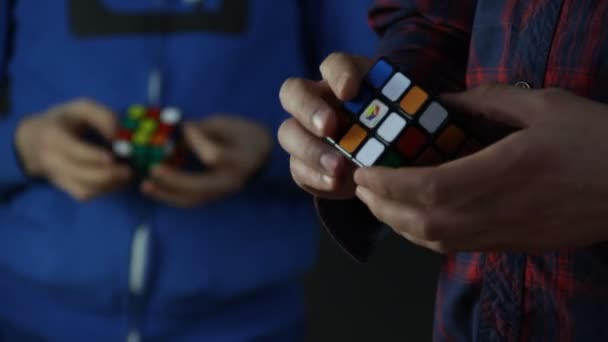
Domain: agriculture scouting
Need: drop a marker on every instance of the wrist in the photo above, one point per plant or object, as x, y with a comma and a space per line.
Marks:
25, 147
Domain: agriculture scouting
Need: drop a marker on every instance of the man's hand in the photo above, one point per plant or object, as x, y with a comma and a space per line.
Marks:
50, 147
541, 188
232, 149
315, 166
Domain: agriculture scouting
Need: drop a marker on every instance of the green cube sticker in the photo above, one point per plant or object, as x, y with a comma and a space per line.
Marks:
392, 159
157, 154
148, 126
136, 112
130, 124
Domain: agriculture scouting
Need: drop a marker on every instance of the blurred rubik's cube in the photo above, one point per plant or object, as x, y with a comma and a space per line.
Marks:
149, 136
394, 122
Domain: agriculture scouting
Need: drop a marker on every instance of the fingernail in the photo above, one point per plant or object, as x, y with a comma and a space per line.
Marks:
328, 180
343, 82
330, 162
318, 120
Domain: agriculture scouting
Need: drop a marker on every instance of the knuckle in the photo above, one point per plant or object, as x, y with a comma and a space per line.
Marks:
296, 168
297, 99
485, 91
492, 86
290, 86
429, 229
487, 88
285, 132
47, 162
432, 191
548, 97
109, 178
387, 190
294, 172
48, 136
303, 174
312, 151
551, 94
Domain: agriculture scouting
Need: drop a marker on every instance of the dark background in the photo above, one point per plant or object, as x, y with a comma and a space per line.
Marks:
391, 298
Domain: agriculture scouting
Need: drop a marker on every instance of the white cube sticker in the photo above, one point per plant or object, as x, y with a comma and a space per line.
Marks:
370, 152
396, 87
373, 113
123, 148
391, 127
433, 117
170, 116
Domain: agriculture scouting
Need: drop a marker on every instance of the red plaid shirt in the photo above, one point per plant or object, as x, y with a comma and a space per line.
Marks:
453, 44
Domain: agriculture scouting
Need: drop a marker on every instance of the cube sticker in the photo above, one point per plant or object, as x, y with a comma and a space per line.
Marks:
413, 100
370, 152
433, 117
374, 113
379, 74
395, 123
353, 138
391, 127
396, 87
146, 136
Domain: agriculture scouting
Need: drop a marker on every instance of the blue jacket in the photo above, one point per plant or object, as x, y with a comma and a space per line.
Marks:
228, 271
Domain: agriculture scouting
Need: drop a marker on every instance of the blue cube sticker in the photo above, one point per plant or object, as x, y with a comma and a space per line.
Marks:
380, 73
360, 102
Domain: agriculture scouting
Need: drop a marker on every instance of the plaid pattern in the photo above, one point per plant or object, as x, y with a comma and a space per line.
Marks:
450, 45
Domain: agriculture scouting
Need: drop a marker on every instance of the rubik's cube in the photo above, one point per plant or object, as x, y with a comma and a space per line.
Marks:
393, 122
149, 136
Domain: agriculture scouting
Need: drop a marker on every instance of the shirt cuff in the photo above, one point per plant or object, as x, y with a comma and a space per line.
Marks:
351, 225
12, 173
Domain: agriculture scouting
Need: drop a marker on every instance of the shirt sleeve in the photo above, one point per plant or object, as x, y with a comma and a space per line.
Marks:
429, 40
11, 172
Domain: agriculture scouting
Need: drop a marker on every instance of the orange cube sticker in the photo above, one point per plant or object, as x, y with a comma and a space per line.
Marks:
413, 100
353, 138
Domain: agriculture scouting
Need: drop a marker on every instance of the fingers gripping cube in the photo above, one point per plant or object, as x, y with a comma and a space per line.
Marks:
149, 136
394, 122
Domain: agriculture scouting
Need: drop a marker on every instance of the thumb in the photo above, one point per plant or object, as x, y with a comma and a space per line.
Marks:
343, 73
497, 102
92, 114
207, 149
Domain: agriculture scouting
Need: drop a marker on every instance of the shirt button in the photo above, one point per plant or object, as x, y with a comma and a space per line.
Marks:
523, 85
